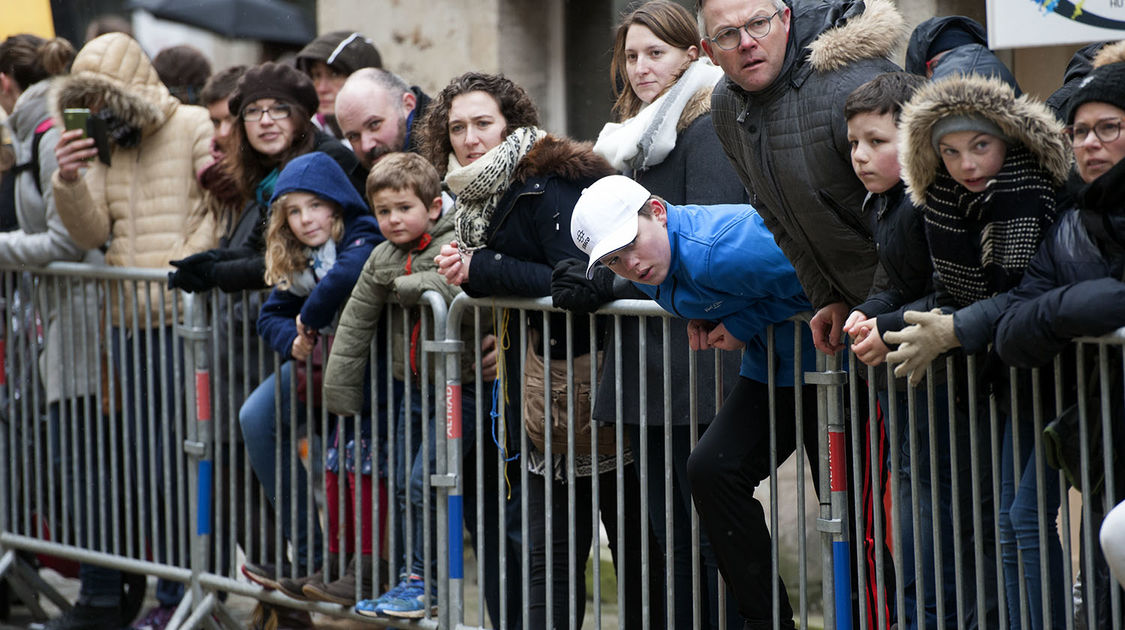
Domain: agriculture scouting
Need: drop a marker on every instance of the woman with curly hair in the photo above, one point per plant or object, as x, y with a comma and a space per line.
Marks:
516, 187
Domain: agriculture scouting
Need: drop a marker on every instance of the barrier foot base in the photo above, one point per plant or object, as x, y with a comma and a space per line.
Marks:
27, 585
209, 613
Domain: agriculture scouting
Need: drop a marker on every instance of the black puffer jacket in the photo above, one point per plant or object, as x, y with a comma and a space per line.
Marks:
973, 58
529, 232
1073, 286
904, 257
788, 143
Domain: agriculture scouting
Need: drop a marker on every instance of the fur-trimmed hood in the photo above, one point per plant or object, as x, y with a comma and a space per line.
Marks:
699, 105
561, 157
113, 71
1110, 53
850, 31
1026, 120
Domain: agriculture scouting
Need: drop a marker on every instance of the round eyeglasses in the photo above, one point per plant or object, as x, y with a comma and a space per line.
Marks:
1106, 130
756, 27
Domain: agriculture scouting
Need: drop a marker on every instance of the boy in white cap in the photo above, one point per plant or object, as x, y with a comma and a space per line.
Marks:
719, 267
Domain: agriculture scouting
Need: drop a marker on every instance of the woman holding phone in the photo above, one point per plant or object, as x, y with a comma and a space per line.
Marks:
157, 146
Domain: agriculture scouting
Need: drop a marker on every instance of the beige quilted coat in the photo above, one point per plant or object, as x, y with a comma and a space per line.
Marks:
148, 205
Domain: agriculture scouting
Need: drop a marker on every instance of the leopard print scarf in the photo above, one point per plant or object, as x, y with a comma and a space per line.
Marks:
480, 185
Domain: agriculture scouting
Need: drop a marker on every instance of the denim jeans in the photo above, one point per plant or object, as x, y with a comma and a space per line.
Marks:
415, 557
918, 557
1019, 531
260, 432
142, 435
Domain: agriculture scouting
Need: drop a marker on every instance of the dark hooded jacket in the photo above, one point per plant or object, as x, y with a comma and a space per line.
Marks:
969, 58
788, 143
318, 174
1026, 121
530, 230
1079, 66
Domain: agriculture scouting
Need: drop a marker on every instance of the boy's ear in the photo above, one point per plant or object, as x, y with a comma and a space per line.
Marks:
659, 211
434, 209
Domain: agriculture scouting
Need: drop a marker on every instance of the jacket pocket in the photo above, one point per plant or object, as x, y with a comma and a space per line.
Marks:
848, 219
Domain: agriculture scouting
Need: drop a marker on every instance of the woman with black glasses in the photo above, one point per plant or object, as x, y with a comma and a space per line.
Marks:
1073, 286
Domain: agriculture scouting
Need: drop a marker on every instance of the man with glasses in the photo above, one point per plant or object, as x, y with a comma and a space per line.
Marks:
779, 115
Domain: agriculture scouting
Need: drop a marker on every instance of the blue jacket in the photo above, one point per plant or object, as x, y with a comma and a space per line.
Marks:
725, 267
320, 175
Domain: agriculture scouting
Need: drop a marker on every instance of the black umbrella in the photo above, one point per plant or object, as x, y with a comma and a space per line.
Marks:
266, 20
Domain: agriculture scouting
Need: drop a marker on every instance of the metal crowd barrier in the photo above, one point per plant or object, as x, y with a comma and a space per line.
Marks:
171, 493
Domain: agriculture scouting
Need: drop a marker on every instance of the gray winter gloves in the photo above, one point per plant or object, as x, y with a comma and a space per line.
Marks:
930, 335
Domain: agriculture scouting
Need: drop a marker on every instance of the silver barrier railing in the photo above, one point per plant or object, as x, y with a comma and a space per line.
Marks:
164, 367
171, 355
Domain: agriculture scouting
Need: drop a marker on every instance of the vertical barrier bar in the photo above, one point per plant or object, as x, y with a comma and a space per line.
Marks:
448, 475
595, 486
198, 448
837, 610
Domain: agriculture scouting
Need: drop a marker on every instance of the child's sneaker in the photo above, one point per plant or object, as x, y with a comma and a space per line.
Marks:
374, 607
411, 601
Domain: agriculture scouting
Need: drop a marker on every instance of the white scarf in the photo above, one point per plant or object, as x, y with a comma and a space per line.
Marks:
647, 138
480, 185
321, 261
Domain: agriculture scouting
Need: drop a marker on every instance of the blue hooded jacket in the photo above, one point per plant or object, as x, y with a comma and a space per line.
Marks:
319, 174
725, 267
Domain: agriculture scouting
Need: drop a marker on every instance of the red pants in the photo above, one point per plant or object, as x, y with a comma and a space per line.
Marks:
345, 513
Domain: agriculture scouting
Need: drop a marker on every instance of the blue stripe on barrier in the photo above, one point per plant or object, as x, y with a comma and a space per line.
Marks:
456, 542
841, 561
203, 526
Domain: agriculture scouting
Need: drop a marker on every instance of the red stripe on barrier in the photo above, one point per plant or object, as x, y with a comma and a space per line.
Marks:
453, 411
203, 395
837, 460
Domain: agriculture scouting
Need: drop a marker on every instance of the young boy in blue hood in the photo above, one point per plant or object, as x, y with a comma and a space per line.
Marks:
719, 267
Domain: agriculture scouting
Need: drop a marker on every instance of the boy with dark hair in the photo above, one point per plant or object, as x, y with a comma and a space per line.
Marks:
872, 112
694, 262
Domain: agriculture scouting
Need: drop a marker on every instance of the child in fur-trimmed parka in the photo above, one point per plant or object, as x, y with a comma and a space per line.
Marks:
985, 167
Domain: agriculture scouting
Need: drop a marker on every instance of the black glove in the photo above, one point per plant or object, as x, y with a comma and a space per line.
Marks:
196, 273
571, 290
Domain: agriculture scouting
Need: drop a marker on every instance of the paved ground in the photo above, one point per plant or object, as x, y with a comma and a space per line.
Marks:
241, 607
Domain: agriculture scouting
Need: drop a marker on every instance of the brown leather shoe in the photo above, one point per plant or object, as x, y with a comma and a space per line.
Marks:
343, 590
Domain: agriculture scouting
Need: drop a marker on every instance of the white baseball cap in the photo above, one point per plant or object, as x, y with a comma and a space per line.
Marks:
605, 217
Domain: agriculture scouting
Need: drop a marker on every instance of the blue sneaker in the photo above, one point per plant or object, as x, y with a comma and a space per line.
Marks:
374, 607
410, 602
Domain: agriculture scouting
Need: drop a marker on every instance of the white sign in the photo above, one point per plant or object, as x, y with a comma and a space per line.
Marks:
1022, 23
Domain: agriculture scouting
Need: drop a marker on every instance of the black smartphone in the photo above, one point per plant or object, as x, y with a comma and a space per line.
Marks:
92, 127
